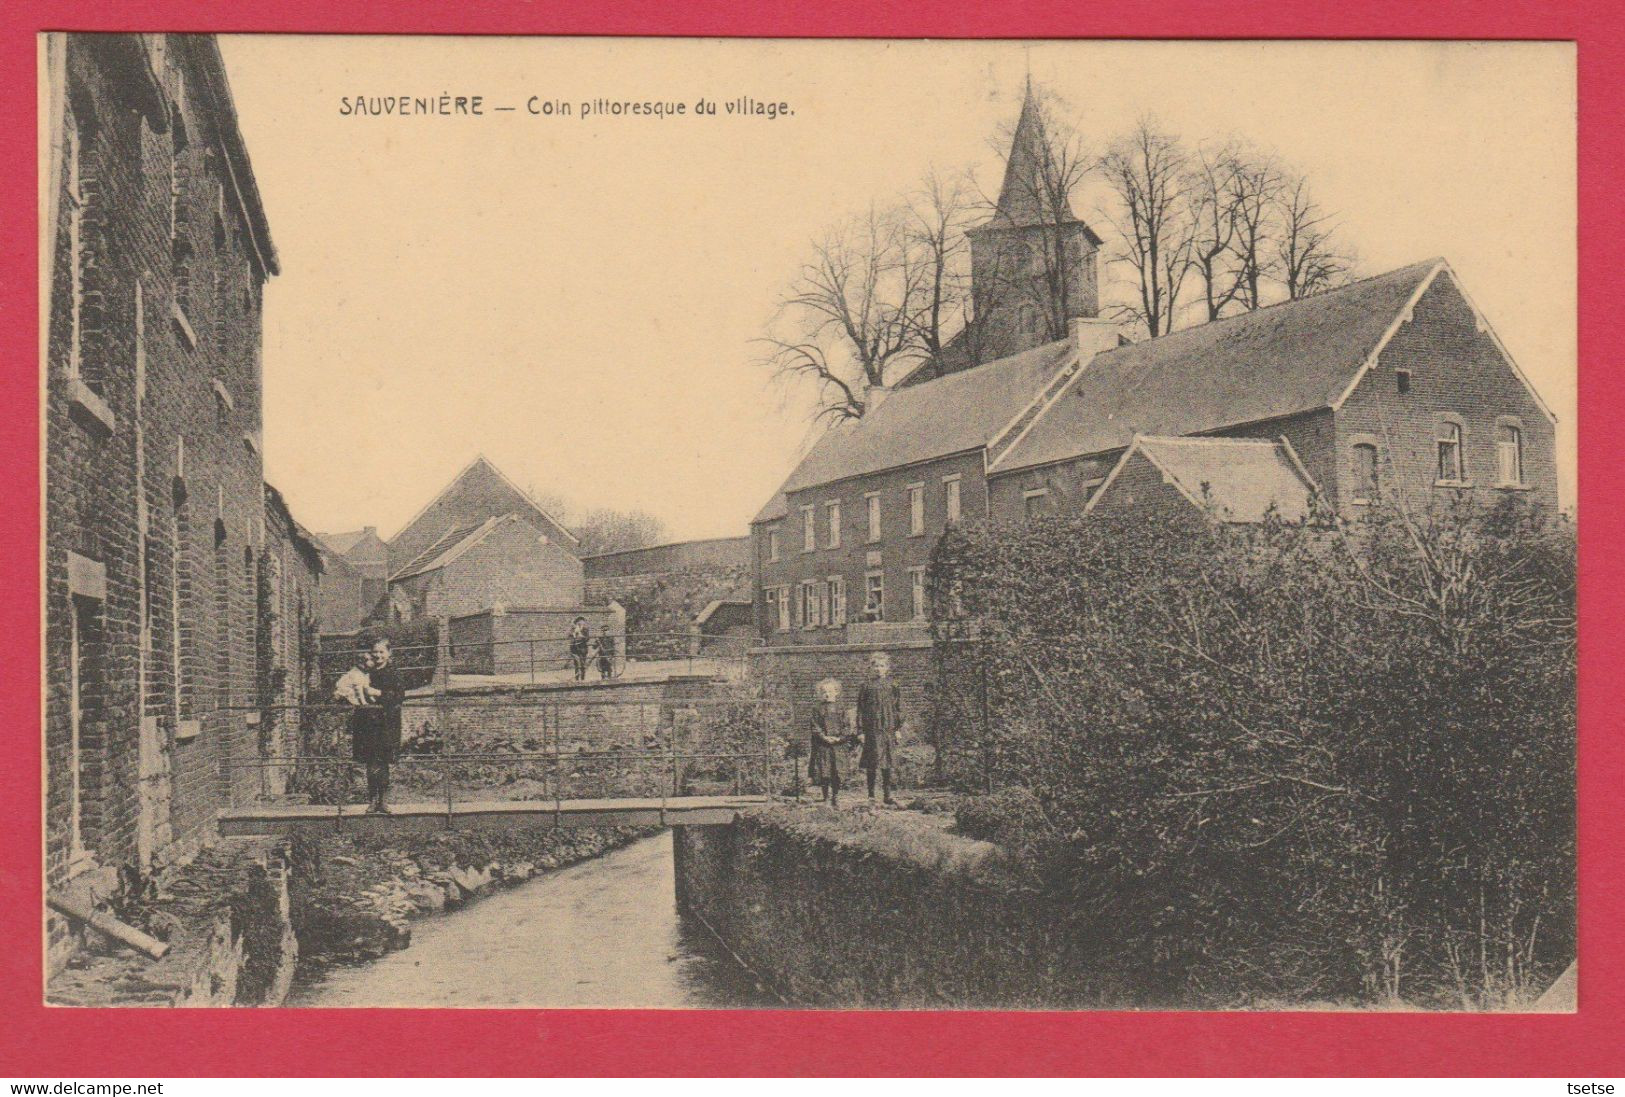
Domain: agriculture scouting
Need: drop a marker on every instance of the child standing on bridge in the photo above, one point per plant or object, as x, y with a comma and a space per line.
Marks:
828, 735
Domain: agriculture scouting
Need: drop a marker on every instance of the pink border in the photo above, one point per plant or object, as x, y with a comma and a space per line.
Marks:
130, 1043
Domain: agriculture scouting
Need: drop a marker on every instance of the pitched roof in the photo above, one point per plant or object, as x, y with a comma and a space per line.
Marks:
774, 509
480, 466
951, 414
1233, 479
446, 548
342, 543
1279, 360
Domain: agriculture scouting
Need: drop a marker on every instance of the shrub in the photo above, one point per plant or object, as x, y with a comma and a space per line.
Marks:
1283, 761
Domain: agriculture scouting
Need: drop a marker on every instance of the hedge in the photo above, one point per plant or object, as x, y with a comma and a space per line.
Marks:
1320, 762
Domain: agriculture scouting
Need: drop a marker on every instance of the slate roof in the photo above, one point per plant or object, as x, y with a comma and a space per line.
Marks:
451, 544
1233, 479
962, 411
1279, 360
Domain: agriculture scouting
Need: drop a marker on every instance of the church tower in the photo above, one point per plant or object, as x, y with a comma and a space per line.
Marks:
1033, 263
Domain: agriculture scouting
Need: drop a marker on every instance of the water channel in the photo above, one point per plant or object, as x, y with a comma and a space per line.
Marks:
603, 933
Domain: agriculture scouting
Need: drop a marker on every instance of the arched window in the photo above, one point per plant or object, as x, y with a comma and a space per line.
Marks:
1452, 465
1509, 453
1365, 472
1027, 320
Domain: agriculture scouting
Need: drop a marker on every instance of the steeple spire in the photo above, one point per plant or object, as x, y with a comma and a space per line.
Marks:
1022, 198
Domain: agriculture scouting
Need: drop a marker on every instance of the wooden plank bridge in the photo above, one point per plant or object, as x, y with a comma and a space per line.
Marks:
270, 818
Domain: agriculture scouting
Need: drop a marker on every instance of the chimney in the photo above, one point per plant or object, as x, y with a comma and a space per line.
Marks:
1092, 335
370, 529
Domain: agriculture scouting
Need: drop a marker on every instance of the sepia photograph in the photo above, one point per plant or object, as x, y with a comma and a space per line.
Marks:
821, 524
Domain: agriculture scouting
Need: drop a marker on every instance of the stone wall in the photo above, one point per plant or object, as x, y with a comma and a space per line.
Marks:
227, 920
853, 911
664, 588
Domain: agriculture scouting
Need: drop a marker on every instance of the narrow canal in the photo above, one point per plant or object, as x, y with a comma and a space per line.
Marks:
604, 933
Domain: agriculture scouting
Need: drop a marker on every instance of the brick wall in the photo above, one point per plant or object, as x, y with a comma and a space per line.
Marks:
510, 566
1455, 370
789, 675
898, 550
162, 543
513, 641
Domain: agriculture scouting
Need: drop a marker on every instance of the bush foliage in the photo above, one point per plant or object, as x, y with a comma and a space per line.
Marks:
1277, 762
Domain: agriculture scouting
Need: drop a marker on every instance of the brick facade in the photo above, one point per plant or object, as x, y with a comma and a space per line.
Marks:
1456, 373
894, 556
513, 564
154, 491
476, 494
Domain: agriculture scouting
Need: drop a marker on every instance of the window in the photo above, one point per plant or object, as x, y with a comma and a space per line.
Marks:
1452, 469
1027, 320
916, 509
916, 593
780, 597
832, 513
873, 500
809, 532
1509, 454
811, 616
874, 595
950, 495
773, 543
835, 611
1402, 380
1365, 472
1034, 502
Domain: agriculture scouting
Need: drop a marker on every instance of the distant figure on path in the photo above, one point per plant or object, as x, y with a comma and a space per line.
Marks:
828, 736
606, 657
880, 714
580, 638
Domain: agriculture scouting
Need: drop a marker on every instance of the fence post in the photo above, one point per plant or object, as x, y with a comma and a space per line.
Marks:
531, 644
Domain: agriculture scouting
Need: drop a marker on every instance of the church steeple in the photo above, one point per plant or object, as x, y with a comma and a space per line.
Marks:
1026, 197
1033, 266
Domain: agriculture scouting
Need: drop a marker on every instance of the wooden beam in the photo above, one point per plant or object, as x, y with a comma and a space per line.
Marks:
102, 922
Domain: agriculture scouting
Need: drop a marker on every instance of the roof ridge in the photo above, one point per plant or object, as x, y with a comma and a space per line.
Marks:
1430, 264
1223, 440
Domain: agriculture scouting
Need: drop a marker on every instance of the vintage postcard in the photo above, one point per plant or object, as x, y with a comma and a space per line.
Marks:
826, 524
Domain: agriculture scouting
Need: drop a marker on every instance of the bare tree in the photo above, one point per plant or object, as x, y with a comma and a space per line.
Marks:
1147, 172
849, 314
1213, 193
936, 253
1258, 183
1308, 258
601, 529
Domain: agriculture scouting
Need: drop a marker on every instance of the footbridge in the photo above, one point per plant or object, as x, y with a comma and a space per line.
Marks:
693, 753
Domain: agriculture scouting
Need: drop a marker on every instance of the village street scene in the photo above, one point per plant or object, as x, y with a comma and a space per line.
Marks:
1076, 550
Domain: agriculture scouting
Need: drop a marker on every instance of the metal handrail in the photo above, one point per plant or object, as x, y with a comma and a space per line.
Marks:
624, 638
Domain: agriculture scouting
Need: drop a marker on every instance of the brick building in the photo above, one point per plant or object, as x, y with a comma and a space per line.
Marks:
156, 250
1393, 387
286, 642
356, 578
477, 493
499, 562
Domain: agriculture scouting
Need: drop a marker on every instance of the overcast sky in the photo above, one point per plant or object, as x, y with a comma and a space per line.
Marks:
576, 299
